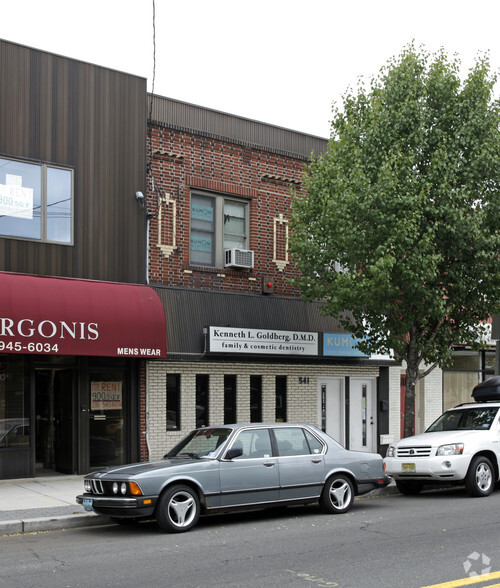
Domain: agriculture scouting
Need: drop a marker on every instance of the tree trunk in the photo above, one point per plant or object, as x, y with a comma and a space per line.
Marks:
411, 383
412, 377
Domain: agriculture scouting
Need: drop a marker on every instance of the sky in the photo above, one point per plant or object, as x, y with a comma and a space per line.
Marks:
282, 62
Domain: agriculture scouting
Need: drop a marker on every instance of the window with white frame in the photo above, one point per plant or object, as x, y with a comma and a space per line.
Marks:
217, 223
36, 201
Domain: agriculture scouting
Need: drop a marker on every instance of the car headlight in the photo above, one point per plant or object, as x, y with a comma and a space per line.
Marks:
452, 449
119, 488
87, 484
124, 488
391, 452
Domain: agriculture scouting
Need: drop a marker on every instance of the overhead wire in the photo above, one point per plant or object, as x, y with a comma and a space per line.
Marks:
149, 163
149, 171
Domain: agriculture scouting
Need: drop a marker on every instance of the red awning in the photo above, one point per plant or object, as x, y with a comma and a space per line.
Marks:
63, 316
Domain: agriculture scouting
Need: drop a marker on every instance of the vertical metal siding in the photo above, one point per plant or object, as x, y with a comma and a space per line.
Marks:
92, 119
174, 112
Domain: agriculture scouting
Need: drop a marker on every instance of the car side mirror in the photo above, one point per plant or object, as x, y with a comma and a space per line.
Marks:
234, 452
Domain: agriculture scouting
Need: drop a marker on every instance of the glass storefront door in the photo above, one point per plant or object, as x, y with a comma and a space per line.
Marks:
55, 447
107, 419
15, 431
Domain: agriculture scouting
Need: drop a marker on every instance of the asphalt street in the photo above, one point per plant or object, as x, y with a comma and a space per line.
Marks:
391, 541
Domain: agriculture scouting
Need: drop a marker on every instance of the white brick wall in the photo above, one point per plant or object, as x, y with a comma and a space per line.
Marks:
243, 397
302, 398
395, 402
430, 398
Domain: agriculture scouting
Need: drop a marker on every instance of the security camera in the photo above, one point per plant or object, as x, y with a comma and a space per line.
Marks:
139, 196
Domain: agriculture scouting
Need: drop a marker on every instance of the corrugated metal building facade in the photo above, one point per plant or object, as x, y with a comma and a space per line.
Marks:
72, 264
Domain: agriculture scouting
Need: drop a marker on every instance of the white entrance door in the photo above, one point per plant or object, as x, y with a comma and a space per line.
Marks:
362, 415
332, 407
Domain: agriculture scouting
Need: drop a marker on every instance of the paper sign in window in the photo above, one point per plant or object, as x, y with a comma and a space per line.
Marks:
106, 396
15, 200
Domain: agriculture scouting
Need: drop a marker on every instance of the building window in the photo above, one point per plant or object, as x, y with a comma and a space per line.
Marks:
14, 402
173, 402
217, 223
202, 383
255, 399
229, 399
468, 369
36, 201
280, 399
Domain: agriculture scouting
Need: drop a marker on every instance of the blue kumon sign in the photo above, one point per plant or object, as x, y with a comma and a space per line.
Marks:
341, 345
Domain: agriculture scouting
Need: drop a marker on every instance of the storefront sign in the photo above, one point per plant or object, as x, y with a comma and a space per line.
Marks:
341, 345
105, 396
262, 341
62, 316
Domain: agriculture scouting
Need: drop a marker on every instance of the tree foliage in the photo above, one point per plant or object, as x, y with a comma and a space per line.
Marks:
406, 203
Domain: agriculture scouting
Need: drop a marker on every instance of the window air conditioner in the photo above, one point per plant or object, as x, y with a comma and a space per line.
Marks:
238, 258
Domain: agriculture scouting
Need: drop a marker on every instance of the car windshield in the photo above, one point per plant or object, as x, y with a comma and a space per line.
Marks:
200, 443
476, 418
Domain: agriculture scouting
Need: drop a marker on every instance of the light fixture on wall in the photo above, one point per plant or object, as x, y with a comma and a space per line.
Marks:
139, 196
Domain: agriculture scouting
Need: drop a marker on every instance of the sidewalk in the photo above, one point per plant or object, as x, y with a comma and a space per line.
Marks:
28, 505
42, 504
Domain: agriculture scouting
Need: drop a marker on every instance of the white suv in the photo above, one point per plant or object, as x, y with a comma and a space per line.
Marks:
461, 447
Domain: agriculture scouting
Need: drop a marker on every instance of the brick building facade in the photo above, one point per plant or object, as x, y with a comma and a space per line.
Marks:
217, 184
184, 161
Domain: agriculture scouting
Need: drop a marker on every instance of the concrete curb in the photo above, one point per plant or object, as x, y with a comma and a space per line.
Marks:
390, 489
18, 527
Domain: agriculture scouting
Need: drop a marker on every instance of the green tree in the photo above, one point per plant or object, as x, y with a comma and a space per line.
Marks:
397, 228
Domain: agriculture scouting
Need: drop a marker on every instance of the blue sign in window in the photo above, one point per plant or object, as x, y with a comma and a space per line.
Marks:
201, 212
341, 345
199, 243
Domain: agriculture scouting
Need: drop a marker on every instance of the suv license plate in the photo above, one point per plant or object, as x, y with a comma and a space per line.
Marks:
408, 467
87, 503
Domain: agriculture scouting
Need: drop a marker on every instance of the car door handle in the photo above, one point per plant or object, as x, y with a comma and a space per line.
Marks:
269, 464
317, 460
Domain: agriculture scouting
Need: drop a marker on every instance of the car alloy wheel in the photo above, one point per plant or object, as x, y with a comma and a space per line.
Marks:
479, 480
178, 509
338, 494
